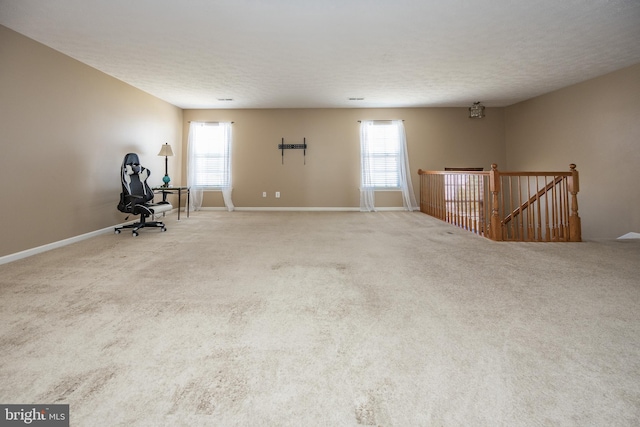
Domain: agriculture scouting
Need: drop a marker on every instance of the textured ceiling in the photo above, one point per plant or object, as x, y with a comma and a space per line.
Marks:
319, 53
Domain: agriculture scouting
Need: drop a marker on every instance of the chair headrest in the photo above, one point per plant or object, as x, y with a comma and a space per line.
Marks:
132, 169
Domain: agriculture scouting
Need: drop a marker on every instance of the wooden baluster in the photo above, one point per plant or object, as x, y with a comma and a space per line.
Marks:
530, 212
443, 197
426, 194
521, 214
472, 226
514, 229
494, 188
421, 177
453, 199
469, 204
421, 189
442, 180
447, 197
472, 205
458, 189
565, 208
433, 196
486, 206
554, 213
429, 195
575, 228
438, 182
465, 202
430, 199
465, 208
438, 188
458, 201
479, 179
547, 229
538, 233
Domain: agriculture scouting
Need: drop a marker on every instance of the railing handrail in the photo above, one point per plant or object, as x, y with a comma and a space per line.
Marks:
423, 172
508, 173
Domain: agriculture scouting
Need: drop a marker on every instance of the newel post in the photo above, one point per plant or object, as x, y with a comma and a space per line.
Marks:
494, 188
575, 227
422, 191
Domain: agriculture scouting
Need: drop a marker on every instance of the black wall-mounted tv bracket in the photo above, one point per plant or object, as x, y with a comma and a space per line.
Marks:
302, 146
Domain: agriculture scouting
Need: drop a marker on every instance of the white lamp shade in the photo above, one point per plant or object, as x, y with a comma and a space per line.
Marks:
165, 150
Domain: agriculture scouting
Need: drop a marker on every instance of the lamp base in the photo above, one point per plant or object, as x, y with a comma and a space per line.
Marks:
166, 180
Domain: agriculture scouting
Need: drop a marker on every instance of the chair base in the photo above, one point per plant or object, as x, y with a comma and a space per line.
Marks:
141, 224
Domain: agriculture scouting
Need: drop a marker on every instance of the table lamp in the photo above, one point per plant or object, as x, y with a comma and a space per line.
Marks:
166, 152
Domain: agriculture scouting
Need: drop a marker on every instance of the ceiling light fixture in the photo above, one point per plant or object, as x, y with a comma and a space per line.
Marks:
225, 99
476, 111
356, 99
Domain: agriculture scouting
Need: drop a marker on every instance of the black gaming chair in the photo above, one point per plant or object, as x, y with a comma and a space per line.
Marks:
136, 196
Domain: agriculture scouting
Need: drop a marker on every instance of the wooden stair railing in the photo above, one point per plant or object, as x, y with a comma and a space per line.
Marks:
542, 206
557, 180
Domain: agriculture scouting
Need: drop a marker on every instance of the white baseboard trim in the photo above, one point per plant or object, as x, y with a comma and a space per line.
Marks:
297, 209
44, 248
301, 209
60, 243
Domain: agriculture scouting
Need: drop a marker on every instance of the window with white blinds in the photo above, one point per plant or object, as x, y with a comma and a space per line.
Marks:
381, 155
211, 155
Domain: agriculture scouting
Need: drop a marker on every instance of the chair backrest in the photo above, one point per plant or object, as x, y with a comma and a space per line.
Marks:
134, 183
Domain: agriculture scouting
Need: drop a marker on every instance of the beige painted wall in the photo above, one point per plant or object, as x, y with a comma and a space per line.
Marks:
436, 137
65, 129
596, 125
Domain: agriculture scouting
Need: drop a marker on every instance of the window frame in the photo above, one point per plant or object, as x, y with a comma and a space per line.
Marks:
377, 152
212, 149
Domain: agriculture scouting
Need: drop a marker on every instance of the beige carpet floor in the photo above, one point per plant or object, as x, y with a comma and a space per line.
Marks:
324, 319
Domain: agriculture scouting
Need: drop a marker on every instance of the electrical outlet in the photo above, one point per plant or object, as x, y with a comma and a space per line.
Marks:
277, 194
264, 194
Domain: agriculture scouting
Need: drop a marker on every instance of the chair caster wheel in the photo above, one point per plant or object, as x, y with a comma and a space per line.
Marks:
117, 231
163, 229
134, 233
